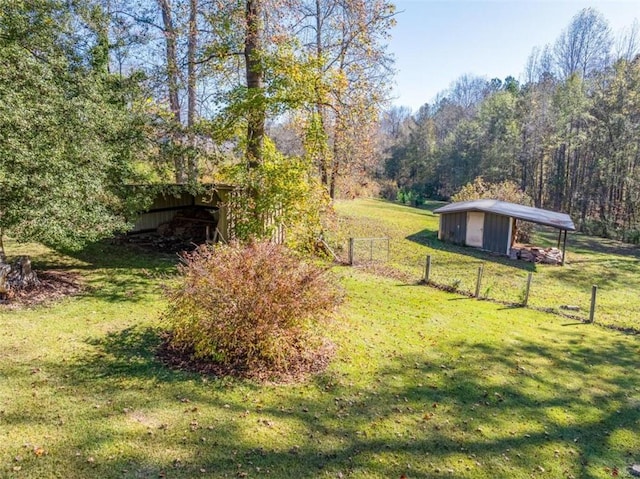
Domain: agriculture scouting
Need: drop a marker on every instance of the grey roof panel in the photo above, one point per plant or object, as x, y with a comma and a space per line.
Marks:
526, 213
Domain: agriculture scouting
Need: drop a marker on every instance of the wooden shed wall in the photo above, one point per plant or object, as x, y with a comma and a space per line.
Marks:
151, 221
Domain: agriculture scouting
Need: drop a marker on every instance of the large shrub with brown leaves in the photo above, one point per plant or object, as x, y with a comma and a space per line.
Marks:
504, 191
250, 310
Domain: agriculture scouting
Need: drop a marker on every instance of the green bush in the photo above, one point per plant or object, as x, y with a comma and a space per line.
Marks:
251, 310
281, 199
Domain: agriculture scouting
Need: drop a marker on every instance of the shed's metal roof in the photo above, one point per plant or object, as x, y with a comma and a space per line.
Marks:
527, 213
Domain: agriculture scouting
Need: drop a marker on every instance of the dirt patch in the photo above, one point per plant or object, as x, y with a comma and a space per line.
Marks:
53, 286
384, 270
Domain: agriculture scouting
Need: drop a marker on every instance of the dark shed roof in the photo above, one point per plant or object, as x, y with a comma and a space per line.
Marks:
527, 213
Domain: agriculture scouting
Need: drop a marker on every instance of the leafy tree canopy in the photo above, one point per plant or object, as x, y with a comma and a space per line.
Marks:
68, 129
503, 191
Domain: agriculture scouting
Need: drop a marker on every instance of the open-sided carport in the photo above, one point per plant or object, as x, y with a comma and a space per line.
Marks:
490, 224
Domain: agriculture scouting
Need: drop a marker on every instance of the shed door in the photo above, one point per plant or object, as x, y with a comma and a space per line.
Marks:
475, 228
453, 227
496, 236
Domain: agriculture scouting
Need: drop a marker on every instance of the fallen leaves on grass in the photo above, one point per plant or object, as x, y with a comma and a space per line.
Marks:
54, 285
39, 451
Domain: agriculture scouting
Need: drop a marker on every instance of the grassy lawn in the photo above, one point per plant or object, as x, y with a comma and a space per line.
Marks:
614, 267
425, 384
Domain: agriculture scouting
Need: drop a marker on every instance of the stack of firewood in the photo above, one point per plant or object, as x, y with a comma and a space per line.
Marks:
534, 254
167, 244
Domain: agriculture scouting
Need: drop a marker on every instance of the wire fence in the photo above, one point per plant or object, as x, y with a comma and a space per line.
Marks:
525, 289
363, 250
515, 283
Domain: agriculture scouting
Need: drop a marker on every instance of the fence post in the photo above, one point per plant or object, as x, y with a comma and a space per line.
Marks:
427, 269
592, 310
480, 268
527, 289
350, 251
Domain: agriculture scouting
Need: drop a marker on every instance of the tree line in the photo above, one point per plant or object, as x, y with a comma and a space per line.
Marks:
568, 134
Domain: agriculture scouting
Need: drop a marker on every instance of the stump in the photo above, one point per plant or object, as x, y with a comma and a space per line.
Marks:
4, 286
17, 276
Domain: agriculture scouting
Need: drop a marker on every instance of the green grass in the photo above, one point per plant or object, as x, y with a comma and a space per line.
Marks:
614, 267
425, 384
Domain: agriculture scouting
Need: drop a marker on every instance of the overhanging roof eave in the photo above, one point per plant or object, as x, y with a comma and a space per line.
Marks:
545, 223
561, 221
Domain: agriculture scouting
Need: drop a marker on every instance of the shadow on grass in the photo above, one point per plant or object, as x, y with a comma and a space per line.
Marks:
580, 242
609, 275
130, 352
428, 237
603, 245
511, 307
462, 408
108, 254
115, 272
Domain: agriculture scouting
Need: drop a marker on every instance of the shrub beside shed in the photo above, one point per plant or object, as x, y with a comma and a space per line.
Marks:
490, 224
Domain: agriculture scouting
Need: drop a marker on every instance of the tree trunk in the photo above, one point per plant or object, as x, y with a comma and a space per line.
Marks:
335, 164
3, 256
541, 182
191, 89
172, 83
323, 152
255, 83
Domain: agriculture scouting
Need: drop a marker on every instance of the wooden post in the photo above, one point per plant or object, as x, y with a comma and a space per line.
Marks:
351, 241
527, 289
480, 268
427, 269
351, 251
564, 247
592, 310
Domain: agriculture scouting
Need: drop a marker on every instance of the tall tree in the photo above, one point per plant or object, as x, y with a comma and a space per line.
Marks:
615, 142
346, 42
163, 38
500, 135
628, 44
584, 47
468, 91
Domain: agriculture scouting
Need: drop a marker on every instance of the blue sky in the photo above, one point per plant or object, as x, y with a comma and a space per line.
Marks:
434, 42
